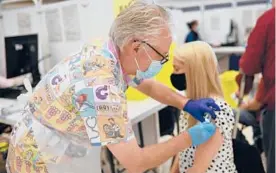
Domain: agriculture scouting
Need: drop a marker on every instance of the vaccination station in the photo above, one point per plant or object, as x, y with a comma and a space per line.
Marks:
137, 86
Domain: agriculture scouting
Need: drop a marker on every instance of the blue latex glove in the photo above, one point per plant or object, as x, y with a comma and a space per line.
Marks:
198, 108
201, 132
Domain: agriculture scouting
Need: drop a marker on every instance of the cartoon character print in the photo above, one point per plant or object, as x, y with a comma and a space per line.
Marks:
28, 166
29, 155
112, 130
90, 82
32, 108
83, 101
52, 111
116, 75
95, 64
91, 124
49, 95
93, 81
75, 60
76, 75
106, 53
64, 117
111, 81
75, 69
18, 163
77, 127
66, 100
89, 51
29, 138
106, 94
71, 126
113, 94
108, 109
81, 128
38, 169
90, 66
120, 80
39, 99
101, 92
57, 81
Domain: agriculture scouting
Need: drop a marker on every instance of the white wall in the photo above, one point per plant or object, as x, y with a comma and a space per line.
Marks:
205, 17
95, 18
255, 10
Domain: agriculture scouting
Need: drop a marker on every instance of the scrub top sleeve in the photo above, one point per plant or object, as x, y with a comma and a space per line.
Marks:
110, 124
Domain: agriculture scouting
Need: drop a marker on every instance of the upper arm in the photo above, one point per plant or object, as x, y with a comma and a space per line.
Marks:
206, 152
255, 49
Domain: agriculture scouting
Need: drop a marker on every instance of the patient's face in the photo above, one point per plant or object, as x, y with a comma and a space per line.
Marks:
179, 67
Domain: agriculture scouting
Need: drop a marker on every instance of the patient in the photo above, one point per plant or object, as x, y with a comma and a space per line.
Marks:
196, 71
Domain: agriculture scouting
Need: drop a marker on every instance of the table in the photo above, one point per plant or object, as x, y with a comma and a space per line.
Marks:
229, 50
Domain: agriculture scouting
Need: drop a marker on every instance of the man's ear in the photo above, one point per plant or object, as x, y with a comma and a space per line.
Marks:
135, 46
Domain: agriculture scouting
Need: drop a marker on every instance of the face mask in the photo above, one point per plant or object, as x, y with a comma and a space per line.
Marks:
152, 70
179, 81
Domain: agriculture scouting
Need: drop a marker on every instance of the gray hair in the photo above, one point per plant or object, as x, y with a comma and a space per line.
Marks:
140, 20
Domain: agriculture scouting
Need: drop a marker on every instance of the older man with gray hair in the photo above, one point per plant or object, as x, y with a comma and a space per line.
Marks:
67, 117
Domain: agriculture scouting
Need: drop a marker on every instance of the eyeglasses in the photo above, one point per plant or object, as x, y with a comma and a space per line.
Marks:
164, 58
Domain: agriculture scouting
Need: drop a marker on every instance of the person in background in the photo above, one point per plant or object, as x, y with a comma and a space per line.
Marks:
250, 113
196, 72
232, 38
59, 135
193, 34
259, 57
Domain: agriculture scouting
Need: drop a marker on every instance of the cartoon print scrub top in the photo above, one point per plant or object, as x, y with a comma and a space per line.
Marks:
77, 107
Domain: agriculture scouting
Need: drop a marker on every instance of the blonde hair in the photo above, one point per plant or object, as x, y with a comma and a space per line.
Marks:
202, 75
140, 20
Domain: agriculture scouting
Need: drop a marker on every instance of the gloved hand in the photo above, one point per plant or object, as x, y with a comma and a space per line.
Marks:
197, 108
201, 132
